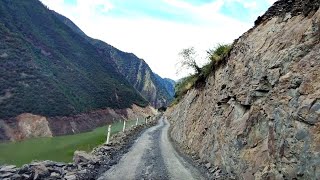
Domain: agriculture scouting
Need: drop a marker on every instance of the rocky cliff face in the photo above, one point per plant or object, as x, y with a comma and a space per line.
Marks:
258, 116
168, 83
151, 86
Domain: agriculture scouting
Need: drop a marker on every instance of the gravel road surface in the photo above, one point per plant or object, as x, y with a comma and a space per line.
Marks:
152, 157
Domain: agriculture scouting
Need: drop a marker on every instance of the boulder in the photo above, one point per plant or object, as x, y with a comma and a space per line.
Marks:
40, 171
10, 168
70, 176
83, 157
5, 175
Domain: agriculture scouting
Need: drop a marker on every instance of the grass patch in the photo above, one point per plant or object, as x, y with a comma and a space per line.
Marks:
182, 87
59, 148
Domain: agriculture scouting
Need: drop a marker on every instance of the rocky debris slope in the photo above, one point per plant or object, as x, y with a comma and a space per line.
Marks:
85, 166
258, 116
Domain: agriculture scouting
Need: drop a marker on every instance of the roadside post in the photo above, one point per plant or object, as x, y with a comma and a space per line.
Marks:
124, 125
109, 132
137, 121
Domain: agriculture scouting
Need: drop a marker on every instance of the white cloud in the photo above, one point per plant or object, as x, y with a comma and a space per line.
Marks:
159, 42
156, 41
271, 1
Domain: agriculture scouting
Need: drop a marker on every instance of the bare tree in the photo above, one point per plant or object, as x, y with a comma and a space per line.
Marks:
188, 60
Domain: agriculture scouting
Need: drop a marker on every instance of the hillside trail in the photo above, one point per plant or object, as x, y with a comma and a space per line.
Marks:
152, 157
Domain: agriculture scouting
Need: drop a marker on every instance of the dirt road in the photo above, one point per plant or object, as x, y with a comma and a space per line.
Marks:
152, 157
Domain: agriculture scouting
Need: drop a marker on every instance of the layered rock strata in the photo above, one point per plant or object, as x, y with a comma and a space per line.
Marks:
258, 116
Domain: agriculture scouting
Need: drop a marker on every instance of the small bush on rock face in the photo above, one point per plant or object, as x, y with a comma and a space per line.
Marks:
215, 56
183, 86
189, 60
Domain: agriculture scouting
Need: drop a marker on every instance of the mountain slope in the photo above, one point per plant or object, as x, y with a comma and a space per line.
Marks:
258, 116
169, 84
48, 69
158, 91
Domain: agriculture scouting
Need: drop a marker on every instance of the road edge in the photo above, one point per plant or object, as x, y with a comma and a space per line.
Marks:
205, 168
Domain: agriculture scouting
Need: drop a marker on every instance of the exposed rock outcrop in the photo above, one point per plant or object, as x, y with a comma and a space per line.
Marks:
258, 117
294, 7
33, 126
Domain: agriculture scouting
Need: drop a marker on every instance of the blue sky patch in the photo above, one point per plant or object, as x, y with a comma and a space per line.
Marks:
161, 10
199, 2
237, 10
70, 2
147, 8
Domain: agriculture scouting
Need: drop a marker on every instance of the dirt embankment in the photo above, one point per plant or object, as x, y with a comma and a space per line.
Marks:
29, 125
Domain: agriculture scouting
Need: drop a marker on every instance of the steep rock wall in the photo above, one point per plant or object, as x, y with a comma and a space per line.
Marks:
258, 116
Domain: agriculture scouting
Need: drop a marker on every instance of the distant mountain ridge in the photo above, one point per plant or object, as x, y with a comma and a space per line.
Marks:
168, 83
157, 90
48, 69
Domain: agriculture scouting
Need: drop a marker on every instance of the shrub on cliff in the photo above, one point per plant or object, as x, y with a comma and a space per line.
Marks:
215, 57
188, 60
217, 54
184, 85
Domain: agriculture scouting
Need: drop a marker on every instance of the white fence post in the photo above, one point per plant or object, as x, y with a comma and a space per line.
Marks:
108, 135
137, 121
124, 125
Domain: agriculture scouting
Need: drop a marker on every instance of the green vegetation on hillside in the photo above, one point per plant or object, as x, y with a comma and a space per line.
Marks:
151, 86
59, 148
215, 56
48, 69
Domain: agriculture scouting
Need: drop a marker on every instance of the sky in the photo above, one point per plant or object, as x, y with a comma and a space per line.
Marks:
157, 30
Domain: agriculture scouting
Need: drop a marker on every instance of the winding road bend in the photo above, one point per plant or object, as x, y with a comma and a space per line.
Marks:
152, 157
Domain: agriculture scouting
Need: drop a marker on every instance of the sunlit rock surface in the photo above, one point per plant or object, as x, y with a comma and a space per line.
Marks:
258, 116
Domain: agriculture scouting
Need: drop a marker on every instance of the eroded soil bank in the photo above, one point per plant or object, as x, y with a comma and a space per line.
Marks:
29, 125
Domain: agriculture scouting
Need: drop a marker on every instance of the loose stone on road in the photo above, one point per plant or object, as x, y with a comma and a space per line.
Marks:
152, 157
